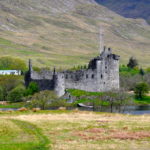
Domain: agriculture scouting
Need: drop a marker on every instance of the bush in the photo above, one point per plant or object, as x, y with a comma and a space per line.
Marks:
141, 89
42, 99
59, 103
16, 95
32, 88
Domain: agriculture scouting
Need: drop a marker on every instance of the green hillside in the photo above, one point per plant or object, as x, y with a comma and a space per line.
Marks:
65, 33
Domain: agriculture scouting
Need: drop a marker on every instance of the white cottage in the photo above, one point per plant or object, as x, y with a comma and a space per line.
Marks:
10, 72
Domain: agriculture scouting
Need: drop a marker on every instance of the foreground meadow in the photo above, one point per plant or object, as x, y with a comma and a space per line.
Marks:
73, 130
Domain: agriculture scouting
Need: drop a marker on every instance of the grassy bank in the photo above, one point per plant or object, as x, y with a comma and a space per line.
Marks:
82, 97
13, 105
71, 130
86, 98
144, 101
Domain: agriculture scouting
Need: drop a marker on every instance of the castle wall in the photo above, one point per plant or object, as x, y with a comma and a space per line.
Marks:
83, 80
44, 79
44, 84
44, 74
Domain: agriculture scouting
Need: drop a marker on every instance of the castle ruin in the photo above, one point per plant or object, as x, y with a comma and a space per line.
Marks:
101, 75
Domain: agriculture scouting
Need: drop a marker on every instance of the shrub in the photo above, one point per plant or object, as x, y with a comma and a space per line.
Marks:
59, 103
16, 95
42, 99
141, 89
32, 88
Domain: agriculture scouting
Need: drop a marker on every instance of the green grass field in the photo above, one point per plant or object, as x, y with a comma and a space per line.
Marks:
72, 130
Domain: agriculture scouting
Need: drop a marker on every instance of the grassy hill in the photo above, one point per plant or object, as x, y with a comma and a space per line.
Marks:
65, 33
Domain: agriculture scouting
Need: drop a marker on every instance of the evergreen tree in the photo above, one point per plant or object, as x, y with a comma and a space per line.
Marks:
132, 63
142, 72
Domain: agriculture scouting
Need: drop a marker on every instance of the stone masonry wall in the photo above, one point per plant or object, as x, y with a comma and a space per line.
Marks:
83, 80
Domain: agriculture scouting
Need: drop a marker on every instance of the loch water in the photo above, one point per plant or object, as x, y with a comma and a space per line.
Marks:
134, 110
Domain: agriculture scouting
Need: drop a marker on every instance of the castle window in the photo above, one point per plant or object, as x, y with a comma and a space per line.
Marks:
104, 82
71, 76
87, 76
66, 76
106, 67
101, 76
92, 76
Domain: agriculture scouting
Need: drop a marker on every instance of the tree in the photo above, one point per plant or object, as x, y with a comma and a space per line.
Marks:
141, 89
16, 95
32, 88
132, 63
42, 99
116, 99
110, 97
8, 83
141, 72
85, 67
9, 63
128, 82
1, 94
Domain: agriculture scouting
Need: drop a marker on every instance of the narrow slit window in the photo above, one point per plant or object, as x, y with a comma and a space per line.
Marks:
87, 76
66, 76
92, 76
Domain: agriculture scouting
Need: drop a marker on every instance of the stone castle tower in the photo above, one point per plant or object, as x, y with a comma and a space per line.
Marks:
101, 75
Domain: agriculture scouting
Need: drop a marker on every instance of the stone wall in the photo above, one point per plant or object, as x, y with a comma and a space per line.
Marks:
83, 80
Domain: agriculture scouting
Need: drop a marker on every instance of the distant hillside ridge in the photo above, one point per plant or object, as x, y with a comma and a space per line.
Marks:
129, 8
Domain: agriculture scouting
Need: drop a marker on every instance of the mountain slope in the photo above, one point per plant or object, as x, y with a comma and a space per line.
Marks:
129, 8
65, 33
